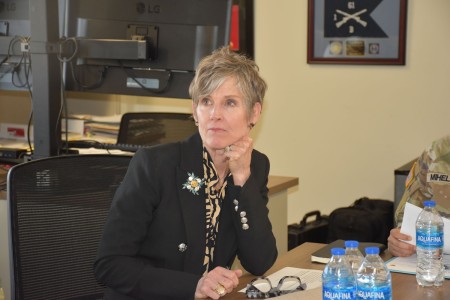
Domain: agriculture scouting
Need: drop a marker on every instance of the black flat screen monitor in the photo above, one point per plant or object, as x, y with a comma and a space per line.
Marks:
147, 48
14, 34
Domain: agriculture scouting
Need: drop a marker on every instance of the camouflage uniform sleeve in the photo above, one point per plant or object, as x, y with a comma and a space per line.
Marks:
417, 189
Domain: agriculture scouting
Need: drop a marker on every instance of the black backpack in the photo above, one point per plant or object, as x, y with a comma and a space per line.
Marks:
366, 220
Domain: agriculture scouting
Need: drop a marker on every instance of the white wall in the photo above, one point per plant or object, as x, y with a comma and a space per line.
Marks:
341, 129
344, 129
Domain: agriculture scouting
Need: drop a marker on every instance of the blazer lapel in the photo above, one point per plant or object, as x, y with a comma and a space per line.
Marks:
192, 205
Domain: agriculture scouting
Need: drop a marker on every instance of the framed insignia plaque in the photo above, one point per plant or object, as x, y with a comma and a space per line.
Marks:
357, 32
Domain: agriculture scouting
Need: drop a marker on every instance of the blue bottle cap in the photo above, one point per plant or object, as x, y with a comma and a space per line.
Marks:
351, 244
337, 251
372, 250
429, 203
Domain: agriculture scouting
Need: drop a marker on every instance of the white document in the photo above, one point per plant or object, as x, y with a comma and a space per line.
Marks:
312, 278
409, 225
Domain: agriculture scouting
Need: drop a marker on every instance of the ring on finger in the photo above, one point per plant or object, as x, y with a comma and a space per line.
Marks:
220, 290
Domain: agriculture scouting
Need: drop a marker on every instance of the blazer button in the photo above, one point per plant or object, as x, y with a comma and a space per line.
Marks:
182, 247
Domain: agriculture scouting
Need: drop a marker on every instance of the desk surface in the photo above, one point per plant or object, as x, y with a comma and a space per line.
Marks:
403, 286
279, 183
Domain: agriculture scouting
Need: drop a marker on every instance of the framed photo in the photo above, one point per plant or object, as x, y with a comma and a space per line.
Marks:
357, 32
242, 27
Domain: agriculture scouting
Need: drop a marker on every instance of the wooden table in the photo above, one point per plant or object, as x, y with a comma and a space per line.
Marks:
404, 287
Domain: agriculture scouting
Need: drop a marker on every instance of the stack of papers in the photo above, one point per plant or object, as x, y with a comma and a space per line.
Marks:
408, 265
409, 226
100, 128
106, 126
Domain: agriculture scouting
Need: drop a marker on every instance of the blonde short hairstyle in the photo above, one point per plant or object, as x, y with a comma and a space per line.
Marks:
222, 64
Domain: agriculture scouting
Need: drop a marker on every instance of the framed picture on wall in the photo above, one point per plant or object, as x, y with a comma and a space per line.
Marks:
357, 32
242, 27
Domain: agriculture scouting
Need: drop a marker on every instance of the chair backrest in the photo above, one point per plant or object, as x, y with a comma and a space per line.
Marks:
57, 210
151, 128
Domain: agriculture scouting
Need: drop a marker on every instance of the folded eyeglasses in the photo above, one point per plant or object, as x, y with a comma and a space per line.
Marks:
261, 287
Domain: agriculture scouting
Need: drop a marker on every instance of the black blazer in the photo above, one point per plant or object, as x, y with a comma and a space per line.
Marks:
140, 254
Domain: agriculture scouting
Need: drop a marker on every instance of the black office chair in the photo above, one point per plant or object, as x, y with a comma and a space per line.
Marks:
58, 207
151, 128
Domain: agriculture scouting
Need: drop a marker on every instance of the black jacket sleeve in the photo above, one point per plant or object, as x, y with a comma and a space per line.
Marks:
257, 249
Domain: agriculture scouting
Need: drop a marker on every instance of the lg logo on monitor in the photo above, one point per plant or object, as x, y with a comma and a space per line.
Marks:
151, 9
8, 6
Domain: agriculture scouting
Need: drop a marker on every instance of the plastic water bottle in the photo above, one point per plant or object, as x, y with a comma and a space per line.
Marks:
354, 256
429, 246
373, 279
338, 281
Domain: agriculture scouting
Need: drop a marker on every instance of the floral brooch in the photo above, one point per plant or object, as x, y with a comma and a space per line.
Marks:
193, 184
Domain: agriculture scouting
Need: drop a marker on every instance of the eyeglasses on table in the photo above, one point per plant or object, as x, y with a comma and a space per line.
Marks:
261, 287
